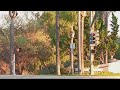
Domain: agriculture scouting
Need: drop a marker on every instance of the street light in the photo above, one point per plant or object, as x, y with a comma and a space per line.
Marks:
72, 46
12, 15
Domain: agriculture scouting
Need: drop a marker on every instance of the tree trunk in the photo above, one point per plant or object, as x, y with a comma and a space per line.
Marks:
111, 57
106, 24
102, 57
106, 56
57, 43
82, 46
79, 40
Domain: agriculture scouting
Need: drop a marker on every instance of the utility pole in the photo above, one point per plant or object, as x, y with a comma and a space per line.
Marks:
12, 14
72, 33
57, 44
79, 44
91, 45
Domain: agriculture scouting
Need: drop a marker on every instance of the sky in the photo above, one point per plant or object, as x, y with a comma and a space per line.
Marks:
117, 13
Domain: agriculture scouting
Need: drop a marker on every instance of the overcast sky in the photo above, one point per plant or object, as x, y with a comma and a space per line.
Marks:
117, 13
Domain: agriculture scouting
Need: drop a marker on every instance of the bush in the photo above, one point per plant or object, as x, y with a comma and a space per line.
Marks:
50, 69
117, 54
65, 67
65, 70
86, 63
95, 63
67, 64
44, 71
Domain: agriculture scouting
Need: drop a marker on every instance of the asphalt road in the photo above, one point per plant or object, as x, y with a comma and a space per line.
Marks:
55, 77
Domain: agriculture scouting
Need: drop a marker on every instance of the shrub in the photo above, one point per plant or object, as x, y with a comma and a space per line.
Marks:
95, 63
65, 70
86, 63
49, 69
67, 64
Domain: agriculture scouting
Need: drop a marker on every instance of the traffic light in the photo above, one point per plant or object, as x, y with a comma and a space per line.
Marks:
92, 37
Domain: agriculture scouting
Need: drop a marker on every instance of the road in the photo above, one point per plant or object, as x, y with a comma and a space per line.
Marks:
55, 77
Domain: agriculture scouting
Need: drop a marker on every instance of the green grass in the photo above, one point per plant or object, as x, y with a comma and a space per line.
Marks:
88, 74
95, 74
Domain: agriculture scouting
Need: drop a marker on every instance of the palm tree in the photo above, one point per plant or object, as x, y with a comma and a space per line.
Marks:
57, 43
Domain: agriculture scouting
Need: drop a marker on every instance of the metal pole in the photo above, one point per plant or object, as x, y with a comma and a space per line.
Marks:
91, 47
12, 14
57, 44
14, 64
79, 44
12, 71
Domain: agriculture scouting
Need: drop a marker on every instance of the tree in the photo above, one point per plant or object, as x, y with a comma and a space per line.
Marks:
114, 35
117, 53
36, 46
103, 46
115, 27
112, 48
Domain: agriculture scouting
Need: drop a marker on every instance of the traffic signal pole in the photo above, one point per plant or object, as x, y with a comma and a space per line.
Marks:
91, 46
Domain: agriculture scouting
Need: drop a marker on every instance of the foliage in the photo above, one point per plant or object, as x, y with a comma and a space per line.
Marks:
115, 27
114, 35
117, 53
49, 69
37, 38
35, 44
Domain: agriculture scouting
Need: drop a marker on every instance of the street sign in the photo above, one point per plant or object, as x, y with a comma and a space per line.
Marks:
72, 45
